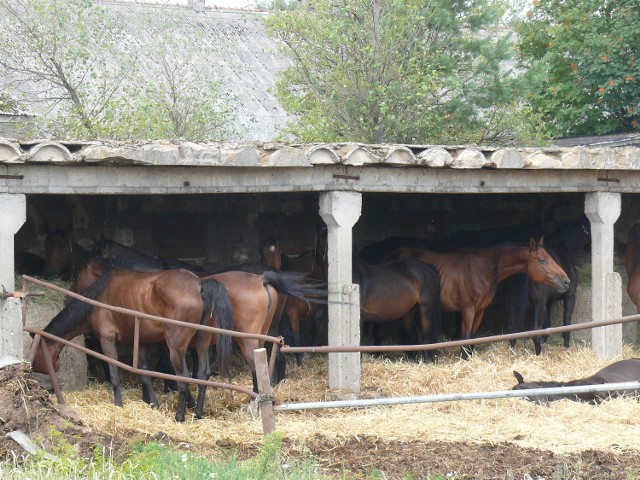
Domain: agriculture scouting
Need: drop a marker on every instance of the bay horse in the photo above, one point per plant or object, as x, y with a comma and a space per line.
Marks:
618, 372
254, 300
564, 247
175, 294
632, 262
299, 313
468, 277
513, 289
403, 289
63, 256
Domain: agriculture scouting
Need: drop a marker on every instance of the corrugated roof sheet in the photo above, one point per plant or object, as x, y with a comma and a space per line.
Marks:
248, 59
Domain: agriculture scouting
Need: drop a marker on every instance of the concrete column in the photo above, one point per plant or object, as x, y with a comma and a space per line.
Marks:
340, 211
13, 213
603, 209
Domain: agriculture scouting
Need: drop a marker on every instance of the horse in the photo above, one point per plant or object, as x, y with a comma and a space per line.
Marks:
514, 289
564, 247
175, 294
618, 372
254, 300
632, 261
299, 313
398, 290
468, 277
117, 251
63, 256
374, 253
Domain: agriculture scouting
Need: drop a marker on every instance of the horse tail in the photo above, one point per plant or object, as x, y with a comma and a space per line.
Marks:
296, 285
77, 311
217, 303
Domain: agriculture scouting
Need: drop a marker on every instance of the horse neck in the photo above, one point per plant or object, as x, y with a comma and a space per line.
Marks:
510, 260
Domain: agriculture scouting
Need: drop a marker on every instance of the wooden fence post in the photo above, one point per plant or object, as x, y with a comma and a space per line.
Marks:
265, 399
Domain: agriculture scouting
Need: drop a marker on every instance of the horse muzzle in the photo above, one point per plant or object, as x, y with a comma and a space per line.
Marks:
562, 285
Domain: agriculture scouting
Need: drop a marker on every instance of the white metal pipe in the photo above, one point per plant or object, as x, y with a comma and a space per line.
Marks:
447, 397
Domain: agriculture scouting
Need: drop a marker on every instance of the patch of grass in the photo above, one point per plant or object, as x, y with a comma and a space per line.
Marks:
157, 461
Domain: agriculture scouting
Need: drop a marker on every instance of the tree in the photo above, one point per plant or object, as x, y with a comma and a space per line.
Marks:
75, 63
588, 49
406, 71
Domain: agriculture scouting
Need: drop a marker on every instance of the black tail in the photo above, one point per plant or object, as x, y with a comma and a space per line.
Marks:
297, 285
216, 302
77, 312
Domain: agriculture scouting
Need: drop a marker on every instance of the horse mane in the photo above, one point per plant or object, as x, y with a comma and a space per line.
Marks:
77, 311
574, 236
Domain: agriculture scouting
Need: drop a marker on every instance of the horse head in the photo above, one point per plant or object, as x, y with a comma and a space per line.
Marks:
58, 250
522, 385
542, 268
272, 253
39, 364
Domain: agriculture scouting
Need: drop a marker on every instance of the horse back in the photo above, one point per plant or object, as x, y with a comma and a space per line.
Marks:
253, 303
173, 294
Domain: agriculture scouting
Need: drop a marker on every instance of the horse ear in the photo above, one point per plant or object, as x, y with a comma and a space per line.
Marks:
518, 376
541, 242
532, 244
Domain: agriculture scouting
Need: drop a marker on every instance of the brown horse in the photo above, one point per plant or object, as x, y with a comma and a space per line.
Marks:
174, 294
63, 256
254, 299
468, 277
401, 289
632, 263
622, 371
299, 313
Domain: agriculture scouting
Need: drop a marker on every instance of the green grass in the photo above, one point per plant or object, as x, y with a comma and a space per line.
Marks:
155, 461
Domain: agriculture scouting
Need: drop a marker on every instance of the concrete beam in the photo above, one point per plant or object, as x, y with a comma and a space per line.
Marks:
340, 211
603, 209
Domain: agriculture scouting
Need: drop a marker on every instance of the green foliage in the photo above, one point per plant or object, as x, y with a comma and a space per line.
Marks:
587, 50
398, 71
75, 62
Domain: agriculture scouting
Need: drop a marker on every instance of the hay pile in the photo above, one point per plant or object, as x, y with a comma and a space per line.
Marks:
560, 427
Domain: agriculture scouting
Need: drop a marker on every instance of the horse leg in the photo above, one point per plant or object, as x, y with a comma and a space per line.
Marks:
466, 327
516, 291
179, 362
108, 345
539, 316
148, 394
408, 334
202, 342
568, 304
164, 366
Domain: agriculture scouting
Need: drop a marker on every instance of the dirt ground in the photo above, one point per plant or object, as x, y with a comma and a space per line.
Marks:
26, 406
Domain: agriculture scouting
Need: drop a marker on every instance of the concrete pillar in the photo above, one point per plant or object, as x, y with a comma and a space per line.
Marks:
603, 209
13, 213
340, 211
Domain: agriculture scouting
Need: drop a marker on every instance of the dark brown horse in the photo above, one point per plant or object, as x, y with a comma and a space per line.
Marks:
468, 277
564, 247
632, 263
619, 372
401, 289
116, 251
174, 294
63, 256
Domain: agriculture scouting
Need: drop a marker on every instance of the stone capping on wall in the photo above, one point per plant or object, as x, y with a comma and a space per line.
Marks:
172, 153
